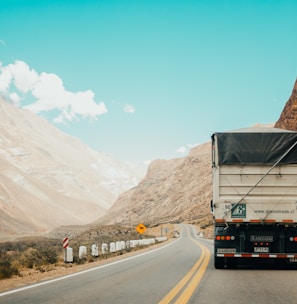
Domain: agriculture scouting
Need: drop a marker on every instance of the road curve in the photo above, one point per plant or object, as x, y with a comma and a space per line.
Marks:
169, 274
179, 272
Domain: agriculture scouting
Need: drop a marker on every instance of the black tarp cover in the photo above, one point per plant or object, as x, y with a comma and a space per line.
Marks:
256, 147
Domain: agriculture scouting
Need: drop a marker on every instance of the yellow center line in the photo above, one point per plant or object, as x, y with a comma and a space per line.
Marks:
186, 295
204, 257
182, 282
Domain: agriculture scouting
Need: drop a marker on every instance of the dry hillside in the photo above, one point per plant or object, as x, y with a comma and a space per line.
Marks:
172, 190
179, 189
48, 178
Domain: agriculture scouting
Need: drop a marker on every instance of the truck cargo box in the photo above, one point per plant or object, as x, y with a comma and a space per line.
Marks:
255, 175
254, 201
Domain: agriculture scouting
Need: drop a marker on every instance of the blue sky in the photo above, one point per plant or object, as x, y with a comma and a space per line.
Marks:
145, 80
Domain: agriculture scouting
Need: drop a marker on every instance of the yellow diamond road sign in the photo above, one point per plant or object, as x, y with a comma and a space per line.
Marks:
140, 228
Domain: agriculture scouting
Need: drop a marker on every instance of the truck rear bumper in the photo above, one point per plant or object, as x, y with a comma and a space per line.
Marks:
258, 255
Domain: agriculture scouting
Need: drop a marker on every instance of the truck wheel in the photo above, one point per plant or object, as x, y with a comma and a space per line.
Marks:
219, 263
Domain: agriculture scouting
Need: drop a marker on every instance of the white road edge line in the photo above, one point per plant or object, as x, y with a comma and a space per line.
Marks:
84, 271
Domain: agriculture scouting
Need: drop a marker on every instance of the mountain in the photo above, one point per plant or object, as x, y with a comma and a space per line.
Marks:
48, 178
172, 190
180, 189
288, 117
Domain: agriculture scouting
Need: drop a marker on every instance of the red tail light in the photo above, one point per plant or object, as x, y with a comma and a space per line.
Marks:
225, 237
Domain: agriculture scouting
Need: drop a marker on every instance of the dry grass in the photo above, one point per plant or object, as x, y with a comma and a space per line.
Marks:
33, 260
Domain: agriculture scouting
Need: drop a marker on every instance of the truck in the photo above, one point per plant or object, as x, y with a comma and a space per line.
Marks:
254, 197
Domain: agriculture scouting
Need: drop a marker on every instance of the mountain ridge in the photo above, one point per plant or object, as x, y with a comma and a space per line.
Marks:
172, 190
288, 117
49, 178
189, 181
38, 173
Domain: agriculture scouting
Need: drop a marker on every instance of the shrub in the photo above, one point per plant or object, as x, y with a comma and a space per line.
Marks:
49, 255
6, 269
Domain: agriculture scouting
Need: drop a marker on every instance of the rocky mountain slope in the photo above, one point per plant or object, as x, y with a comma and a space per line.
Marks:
172, 190
48, 178
288, 117
180, 189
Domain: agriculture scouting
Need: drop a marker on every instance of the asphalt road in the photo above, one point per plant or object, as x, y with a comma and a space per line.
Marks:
179, 272
247, 285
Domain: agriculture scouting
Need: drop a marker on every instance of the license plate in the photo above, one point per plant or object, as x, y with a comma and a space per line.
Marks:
261, 249
226, 250
261, 238
293, 260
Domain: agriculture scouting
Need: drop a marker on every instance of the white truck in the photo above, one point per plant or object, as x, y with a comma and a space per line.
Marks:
254, 201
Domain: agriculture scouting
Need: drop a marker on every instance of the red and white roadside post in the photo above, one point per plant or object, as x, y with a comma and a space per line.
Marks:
65, 242
68, 253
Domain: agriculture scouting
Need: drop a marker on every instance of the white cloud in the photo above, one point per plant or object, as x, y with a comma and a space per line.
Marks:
15, 98
48, 92
185, 149
147, 162
23, 78
5, 79
182, 150
129, 109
